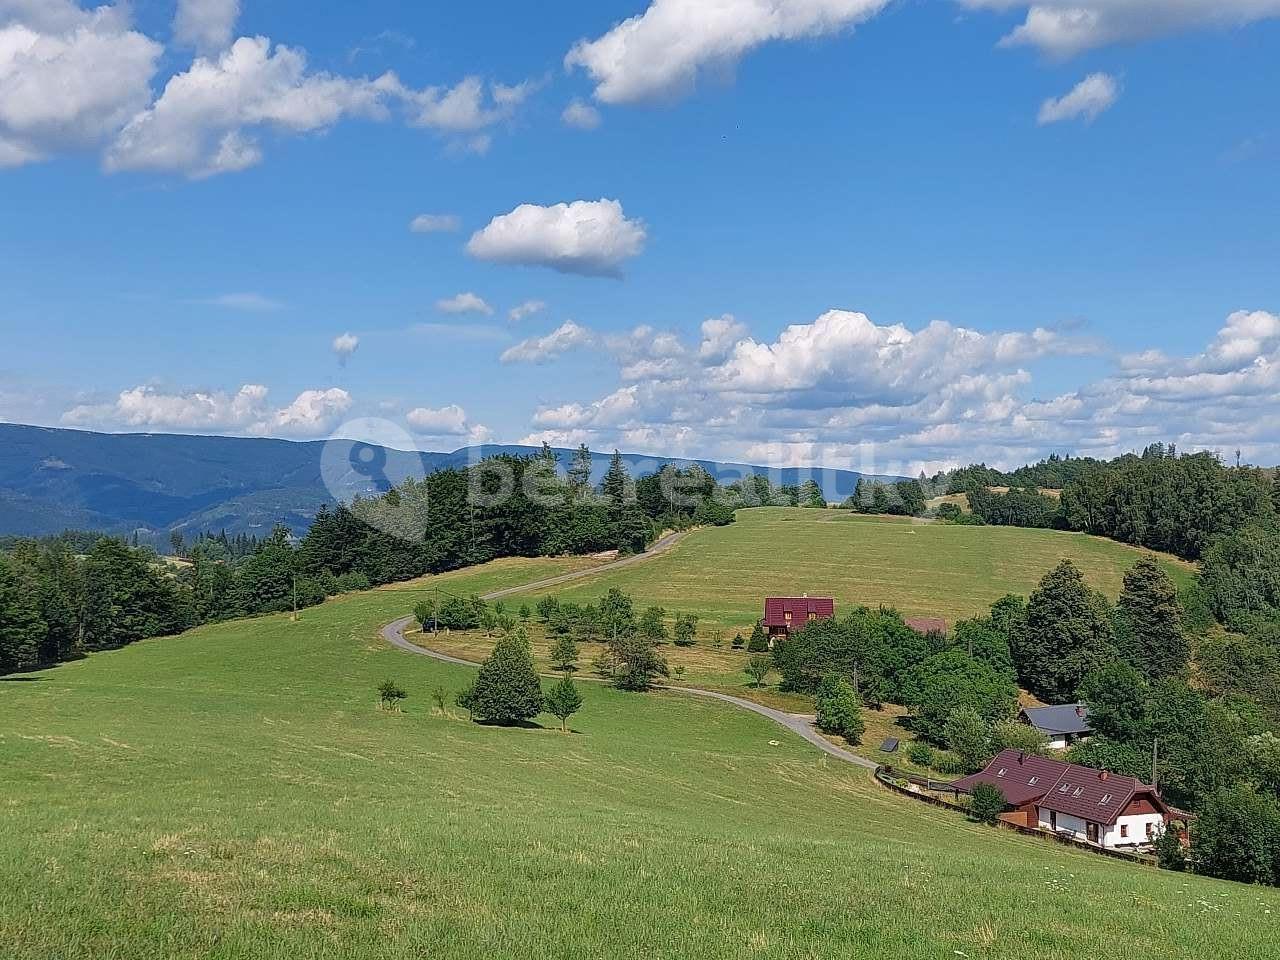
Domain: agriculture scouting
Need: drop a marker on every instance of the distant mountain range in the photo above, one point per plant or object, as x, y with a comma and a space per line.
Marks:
53, 480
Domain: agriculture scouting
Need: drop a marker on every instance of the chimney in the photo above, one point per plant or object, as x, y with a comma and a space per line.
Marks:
1103, 775
1080, 710
1022, 756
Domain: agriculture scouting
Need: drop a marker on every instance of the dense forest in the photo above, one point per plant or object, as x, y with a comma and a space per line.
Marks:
63, 597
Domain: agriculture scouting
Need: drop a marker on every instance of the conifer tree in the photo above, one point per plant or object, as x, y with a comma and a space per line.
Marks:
1149, 622
507, 690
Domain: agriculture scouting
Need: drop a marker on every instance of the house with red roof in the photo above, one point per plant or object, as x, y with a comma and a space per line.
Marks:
783, 615
1096, 806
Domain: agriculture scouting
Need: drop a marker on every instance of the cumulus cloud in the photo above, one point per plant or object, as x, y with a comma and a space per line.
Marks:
661, 52
206, 25
1087, 100
1064, 28
435, 223
68, 78
564, 338
525, 310
204, 122
446, 423
345, 346
586, 237
581, 116
464, 303
312, 413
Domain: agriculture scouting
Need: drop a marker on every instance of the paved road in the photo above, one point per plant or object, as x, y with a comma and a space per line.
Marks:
393, 633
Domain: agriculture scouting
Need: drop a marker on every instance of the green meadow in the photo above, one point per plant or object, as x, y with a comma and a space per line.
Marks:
235, 793
924, 569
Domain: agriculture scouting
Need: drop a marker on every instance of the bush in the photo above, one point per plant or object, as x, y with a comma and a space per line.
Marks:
950, 512
920, 753
738, 642
986, 803
1169, 850
353, 582
839, 708
1011, 735
757, 668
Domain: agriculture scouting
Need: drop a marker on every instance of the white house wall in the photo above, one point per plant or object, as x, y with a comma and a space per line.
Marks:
1137, 824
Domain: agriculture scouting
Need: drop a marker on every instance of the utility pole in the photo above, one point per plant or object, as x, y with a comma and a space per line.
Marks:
295, 598
435, 613
1155, 759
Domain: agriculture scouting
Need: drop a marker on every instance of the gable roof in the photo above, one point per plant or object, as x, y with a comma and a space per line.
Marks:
1094, 795
777, 608
1069, 718
927, 624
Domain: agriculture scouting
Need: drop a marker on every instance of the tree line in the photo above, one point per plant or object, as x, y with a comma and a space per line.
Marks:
61, 598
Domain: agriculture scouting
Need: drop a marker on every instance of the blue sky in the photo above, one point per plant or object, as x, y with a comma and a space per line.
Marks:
850, 232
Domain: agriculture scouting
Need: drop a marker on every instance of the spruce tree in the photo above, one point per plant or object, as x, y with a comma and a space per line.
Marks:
1149, 622
21, 629
564, 654
507, 690
759, 642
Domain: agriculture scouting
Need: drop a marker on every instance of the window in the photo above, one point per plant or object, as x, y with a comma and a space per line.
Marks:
1002, 771
1064, 788
1106, 798
1033, 781
787, 615
1151, 830
1078, 791
1124, 830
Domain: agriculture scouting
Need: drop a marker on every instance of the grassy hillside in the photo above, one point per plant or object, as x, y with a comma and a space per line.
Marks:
234, 793
923, 569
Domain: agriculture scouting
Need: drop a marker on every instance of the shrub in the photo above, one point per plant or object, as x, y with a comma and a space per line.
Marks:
757, 668
466, 699
390, 695
738, 642
920, 753
1169, 850
969, 737
950, 512
986, 803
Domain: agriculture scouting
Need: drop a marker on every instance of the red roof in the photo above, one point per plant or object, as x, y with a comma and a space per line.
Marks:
927, 624
1068, 788
777, 608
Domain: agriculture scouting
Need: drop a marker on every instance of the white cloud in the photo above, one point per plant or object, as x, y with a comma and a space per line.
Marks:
662, 51
345, 346
204, 122
1064, 28
312, 413
581, 116
524, 310
1088, 100
719, 334
587, 237
68, 78
207, 25
469, 107
464, 303
435, 223
248, 302
541, 349
446, 423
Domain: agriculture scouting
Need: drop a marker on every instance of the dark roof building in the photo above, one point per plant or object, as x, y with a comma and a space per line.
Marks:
927, 625
1102, 807
784, 614
1063, 724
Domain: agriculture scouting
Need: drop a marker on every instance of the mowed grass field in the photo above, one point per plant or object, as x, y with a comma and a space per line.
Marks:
234, 793
922, 569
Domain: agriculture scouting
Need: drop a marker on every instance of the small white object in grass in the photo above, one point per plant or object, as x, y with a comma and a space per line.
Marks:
775, 743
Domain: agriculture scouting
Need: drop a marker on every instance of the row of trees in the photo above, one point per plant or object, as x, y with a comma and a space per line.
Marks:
907, 498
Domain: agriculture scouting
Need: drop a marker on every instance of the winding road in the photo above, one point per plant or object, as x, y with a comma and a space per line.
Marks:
393, 633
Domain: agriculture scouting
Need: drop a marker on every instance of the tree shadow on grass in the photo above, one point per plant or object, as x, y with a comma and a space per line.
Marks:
522, 725
23, 679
